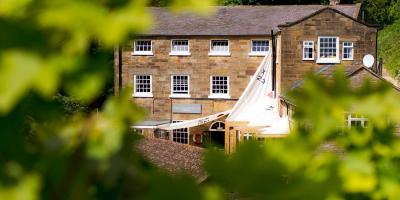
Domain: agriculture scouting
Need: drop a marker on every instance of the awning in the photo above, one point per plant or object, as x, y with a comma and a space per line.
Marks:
151, 124
193, 122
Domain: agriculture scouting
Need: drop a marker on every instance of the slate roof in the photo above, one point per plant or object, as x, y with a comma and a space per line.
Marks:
236, 20
327, 71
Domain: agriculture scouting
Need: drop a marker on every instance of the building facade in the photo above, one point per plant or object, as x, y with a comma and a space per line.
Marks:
189, 67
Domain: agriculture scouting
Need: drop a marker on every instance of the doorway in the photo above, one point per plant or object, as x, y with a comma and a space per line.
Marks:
217, 134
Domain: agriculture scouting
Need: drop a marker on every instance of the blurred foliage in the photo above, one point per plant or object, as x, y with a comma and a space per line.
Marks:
322, 158
53, 146
70, 105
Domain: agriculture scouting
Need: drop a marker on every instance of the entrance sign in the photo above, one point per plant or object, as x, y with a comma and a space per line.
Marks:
186, 108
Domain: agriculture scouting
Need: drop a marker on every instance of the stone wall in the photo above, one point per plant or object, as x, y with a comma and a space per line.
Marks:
326, 23
199, 66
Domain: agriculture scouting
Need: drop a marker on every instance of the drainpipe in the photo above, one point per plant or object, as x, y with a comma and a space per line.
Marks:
273, 62
119, 70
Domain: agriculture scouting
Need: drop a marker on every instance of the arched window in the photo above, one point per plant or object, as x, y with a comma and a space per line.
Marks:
217, 126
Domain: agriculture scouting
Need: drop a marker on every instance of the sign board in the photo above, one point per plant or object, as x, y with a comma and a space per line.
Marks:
186, 108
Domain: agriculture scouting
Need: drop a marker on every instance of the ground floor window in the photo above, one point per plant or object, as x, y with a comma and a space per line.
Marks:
247, 136
356, 120
180, 135
162, 134
138, 131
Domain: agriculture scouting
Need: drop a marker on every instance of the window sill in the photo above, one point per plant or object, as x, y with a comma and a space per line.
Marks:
256, 54
142, 53
308, 59
328, 61
143, 95
347, 59
179, 96
179, 54
219, 54
219, 96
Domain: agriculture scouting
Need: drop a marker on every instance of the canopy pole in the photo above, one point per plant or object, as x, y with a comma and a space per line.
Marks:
227, 138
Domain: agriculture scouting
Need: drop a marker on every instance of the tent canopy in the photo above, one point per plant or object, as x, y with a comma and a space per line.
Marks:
257, 106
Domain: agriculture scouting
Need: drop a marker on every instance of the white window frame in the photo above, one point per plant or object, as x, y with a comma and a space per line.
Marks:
259, 53
360, 119
352, 50
219, 53
328, 60
188, 132
308, 46
217, 122
177, 95
143, 53
247, 136
142, 94
179, 53
219, 95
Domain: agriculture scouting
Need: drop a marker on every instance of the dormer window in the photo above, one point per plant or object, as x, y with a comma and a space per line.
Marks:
219, 48
179, 48
259, 47
328, 49
143, 47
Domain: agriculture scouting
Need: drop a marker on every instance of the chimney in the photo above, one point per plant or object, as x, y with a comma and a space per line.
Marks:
334, 2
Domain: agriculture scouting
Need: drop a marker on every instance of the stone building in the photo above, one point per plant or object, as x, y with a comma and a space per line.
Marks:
188, 66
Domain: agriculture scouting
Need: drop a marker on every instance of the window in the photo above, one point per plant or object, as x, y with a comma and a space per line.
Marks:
259, 47
162, 134
328, 50
219, 48
219, 87
142, 86
347, 51
180, 135
179, 47
142, 47
217, 126
308, 50
356, 120
247, 136
180, 86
